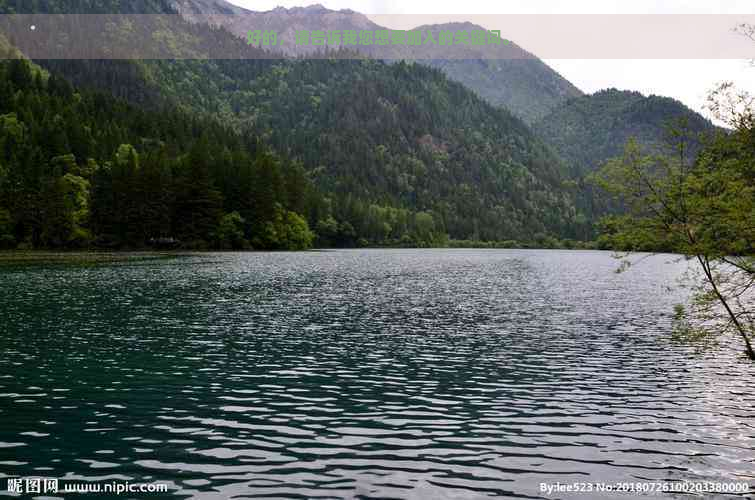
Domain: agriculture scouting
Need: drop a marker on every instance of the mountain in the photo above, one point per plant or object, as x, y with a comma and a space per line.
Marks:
505, 75
387, 135
397, 153
586, 131
285, 22
80, 168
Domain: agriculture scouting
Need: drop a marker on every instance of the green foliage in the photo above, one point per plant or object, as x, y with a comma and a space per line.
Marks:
403, 136
526, 86
327, 231
394, 154
75, 191
230, 232
286, 230
6, 226
589, 130
293, 231
135, 183
65, 210
683, 328
586, 131
703, 210
393, 135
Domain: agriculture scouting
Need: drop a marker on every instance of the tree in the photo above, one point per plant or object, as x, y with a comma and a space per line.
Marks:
703, 210
198, 202
293, 231
125, 209
230, 233
75, 192
747, 30
6, 238
268, 189
286, 230
65, 209
19, 73
327, 231
424, 227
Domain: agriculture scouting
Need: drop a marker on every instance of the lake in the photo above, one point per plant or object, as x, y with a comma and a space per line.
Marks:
425, 374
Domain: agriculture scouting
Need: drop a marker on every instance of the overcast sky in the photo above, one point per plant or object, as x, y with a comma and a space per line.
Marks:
685, 79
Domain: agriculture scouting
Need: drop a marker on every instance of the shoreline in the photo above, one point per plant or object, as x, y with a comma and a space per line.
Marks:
92, 257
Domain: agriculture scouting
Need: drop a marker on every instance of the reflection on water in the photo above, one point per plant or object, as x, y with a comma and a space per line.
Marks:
390, 374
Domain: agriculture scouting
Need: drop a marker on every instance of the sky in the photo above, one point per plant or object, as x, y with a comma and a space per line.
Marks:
687, 80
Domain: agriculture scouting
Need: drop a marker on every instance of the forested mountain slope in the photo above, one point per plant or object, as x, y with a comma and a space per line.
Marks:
505, 75
402, 154
80, 168
588, 130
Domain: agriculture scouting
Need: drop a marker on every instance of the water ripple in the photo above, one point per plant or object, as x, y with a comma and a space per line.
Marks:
365, 374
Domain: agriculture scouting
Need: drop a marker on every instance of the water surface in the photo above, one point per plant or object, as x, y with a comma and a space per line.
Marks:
423, 374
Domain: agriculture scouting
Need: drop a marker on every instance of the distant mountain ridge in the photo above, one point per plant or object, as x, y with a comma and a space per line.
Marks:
588, 130
504, 75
